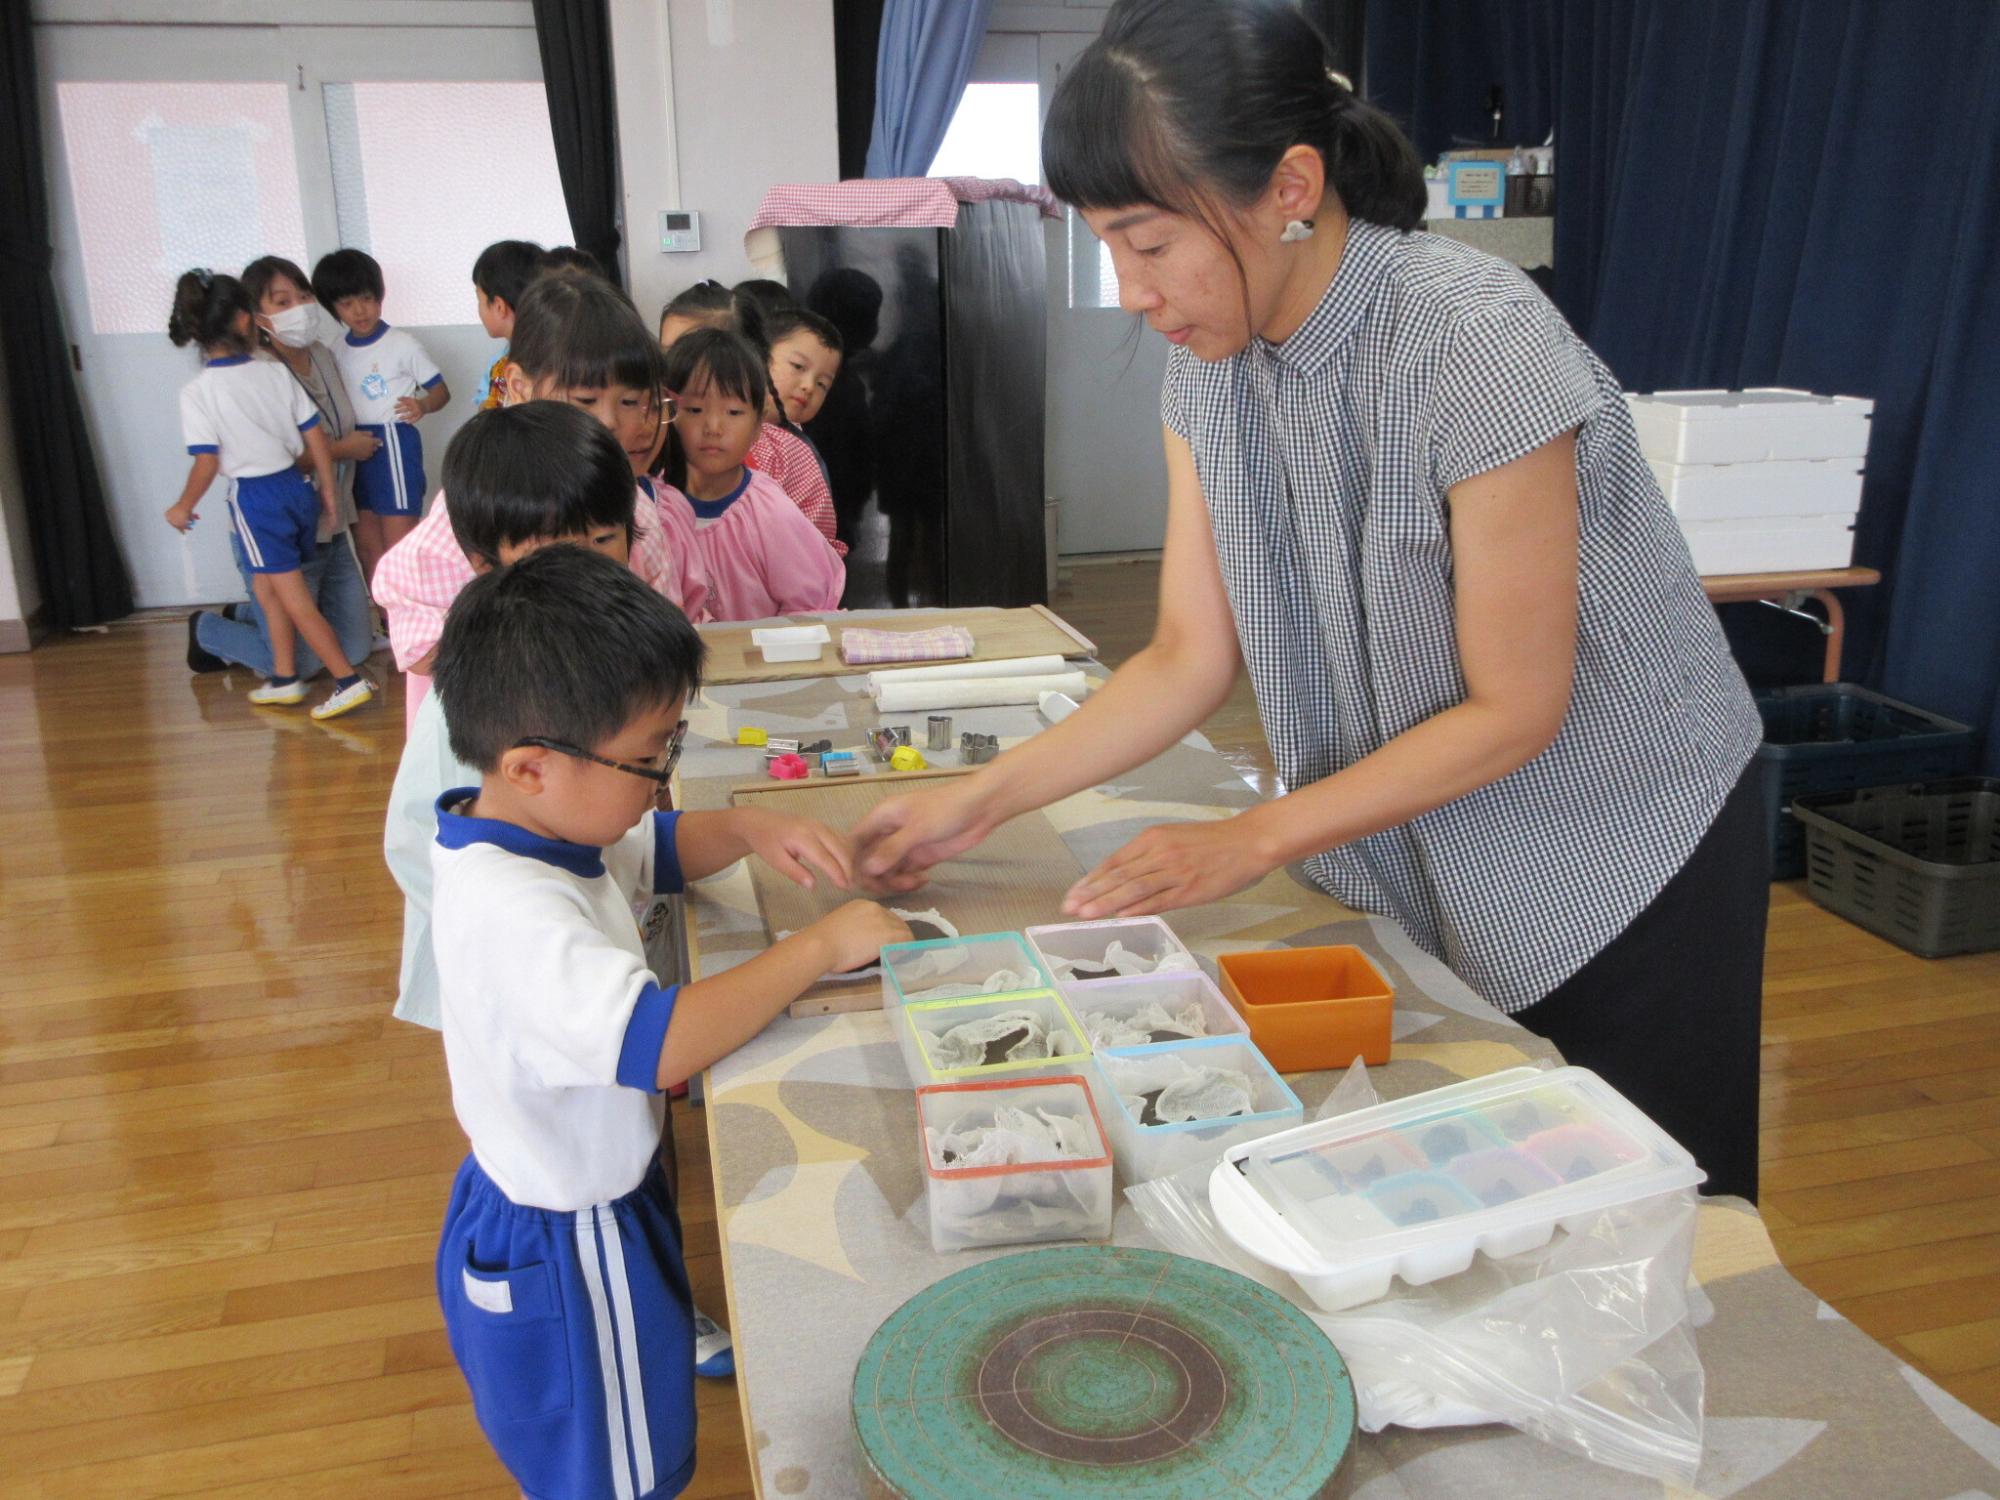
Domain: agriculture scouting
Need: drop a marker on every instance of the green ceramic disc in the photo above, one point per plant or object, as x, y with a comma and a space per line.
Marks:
1099, 1371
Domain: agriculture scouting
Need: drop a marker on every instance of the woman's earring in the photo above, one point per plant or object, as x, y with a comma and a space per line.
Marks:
1296, 230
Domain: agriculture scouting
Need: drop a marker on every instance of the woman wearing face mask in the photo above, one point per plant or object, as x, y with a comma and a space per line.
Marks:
1408, 500
289, 325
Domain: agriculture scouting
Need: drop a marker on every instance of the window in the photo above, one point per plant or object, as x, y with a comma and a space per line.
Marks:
1093, 282
426, 175
996, 132
169, 176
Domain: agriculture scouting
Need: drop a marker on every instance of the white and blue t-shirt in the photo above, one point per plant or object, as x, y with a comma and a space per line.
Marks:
382, 369
250, 413
553, 1020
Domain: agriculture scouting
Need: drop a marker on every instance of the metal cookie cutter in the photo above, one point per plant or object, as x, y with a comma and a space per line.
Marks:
977, 749
883, 743
938, 727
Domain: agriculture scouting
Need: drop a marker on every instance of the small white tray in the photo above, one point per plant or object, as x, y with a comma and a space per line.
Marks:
791, 642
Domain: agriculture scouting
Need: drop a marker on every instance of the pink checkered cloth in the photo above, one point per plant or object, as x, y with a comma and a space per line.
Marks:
866, 647
892, 202
786, 458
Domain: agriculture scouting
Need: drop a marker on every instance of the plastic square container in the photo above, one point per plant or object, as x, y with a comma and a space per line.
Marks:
1833, 737
1493, 1165
918, 1027
1918, 865
951, 968
1311, 1008
1145, 938
1067, 1198
791, 642
1148, 1151
1119, 999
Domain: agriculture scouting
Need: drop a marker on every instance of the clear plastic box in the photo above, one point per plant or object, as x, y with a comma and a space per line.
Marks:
1147, 938
1416, 1187
1173, 992
919, 1025
1149, 1151
952, 968
1067, 1198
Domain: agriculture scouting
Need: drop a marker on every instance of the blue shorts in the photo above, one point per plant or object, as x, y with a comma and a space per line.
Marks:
392, 482
276, 517
575, 1332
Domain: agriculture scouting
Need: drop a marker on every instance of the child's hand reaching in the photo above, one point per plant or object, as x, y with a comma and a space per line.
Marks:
181, 515
789, 844
857, 933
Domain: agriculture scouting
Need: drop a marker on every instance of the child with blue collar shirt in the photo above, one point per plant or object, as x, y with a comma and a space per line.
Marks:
393, 384
559, 1268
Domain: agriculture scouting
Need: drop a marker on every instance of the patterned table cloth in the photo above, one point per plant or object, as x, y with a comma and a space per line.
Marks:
819, 1188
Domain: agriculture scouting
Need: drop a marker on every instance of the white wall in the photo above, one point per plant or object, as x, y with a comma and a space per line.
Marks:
20, 591
711, 116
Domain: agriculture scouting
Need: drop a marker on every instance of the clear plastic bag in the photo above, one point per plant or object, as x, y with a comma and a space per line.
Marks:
1584, 1343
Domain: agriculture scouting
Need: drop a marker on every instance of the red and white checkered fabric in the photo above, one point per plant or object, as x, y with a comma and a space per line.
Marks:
865, 647
891, 202
786, 458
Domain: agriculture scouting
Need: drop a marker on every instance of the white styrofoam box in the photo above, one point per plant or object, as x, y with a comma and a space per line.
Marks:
791, 642
919, 1025
1783, 487
1770, 544
1416, 1187
1734, 427
1017, 1203
1097, 1000
1144, 1152
1062, 946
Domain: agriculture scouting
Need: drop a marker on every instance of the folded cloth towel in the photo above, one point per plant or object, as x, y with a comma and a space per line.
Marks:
945, 643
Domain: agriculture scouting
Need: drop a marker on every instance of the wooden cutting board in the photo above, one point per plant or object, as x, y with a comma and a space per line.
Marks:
1015, 879
997, 635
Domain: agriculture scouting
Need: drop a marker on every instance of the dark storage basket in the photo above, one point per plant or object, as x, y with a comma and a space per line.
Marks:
1831, 737
1919, 865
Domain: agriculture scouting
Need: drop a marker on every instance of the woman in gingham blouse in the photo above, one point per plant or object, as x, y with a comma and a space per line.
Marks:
1409, 501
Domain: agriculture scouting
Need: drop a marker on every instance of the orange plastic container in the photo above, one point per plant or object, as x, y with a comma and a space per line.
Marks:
1311, 1008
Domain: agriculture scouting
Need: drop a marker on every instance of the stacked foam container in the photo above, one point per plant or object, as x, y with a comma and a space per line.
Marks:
1762, 481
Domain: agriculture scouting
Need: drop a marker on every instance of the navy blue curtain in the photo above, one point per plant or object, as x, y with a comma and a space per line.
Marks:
574, 37
76, 556
922, 60
1807, 193
1783, 192
1434, 65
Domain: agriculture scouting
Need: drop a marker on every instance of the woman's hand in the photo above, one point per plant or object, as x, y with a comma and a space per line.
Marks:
181, 514
899, 841
789, 844
1174, 865
357, 447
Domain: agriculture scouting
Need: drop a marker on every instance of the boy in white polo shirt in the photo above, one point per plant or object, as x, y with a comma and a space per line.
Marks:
563, 678
393, 384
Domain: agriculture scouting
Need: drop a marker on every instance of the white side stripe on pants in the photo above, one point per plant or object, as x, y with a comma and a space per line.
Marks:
243, 532
607, 1356
628, 1347
392, 439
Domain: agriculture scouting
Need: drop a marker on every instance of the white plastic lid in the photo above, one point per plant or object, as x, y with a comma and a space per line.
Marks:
1462, 1163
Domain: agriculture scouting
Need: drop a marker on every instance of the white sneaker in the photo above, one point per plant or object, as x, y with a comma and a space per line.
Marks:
282, 694
346, 699
714, 1355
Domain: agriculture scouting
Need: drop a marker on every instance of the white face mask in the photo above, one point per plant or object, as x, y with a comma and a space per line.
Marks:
297, 325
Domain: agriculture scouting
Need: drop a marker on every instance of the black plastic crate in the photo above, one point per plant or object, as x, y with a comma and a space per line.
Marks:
1920, 865
1832, 737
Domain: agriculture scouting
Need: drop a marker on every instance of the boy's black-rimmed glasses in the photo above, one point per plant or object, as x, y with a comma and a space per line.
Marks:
660, 776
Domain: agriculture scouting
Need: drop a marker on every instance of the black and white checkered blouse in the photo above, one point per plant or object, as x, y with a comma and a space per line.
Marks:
1325, 463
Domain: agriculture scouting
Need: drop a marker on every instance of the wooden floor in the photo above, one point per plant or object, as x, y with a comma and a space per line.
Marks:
222, 1164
